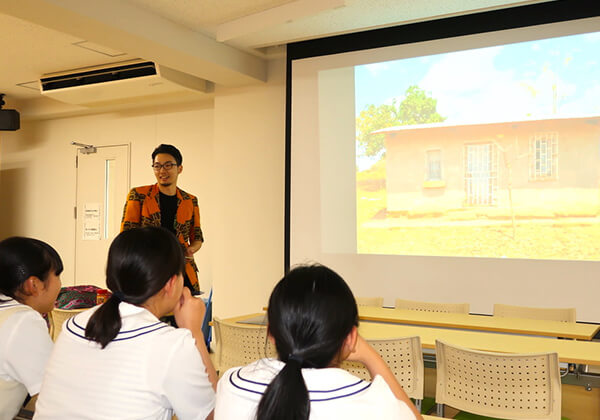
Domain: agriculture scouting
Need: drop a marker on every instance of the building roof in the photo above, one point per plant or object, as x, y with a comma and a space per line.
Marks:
591, 119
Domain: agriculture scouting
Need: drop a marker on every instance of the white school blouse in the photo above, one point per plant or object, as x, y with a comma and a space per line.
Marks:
149, 371
25, 347
334, 394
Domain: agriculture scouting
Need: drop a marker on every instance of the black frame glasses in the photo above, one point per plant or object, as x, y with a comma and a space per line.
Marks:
167, 165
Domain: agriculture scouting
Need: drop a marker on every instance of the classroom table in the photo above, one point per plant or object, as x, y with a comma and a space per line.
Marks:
569, 351
578, 331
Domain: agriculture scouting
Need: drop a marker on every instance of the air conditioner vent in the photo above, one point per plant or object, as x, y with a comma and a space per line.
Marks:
121, 83
92, 77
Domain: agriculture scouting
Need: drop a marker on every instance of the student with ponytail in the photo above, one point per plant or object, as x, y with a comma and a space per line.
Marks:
118, 360
29, 285
313, 322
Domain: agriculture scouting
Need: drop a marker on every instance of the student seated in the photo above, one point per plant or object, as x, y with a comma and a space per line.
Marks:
118, 360
312, 320
29, 284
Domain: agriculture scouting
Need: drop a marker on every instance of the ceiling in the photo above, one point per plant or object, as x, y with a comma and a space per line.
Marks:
227, 42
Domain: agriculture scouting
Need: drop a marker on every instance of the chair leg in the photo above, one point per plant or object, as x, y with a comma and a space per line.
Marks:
419, 404
439, 410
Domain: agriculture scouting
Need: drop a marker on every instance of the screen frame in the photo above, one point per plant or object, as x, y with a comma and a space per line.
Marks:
469, 24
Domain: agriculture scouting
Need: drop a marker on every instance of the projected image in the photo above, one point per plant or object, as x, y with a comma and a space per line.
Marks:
493, 152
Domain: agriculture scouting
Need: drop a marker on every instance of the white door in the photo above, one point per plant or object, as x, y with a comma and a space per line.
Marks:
102, 186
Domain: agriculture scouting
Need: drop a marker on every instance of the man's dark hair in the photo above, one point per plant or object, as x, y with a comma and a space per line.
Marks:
170, 150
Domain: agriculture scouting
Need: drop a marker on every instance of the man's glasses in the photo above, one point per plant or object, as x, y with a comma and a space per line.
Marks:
167, 165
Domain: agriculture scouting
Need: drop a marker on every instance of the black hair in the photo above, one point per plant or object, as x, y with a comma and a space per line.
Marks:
311, 312
140, 262
170, 150
21, 258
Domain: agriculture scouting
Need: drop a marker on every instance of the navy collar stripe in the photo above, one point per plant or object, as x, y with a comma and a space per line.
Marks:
71, 321
242, 388
237, 374
342, 396
122, 332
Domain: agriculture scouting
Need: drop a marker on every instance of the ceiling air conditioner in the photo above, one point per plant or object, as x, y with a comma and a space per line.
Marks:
137, 81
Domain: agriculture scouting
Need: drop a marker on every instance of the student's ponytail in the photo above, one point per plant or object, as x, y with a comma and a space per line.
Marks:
105, 324
140, 262
286, 397
311, 312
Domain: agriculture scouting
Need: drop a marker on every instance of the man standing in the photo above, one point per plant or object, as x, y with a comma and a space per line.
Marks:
163, 204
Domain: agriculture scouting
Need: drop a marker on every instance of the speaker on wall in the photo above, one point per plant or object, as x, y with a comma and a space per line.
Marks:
10, 120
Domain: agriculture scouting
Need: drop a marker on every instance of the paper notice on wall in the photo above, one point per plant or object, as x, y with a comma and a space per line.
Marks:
91, 222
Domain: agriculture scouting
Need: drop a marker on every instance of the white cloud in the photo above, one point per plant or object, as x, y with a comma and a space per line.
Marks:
592, 37
587, 105
469, 88
376, 68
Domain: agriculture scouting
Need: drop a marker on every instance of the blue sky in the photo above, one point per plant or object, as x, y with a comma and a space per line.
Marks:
509, 82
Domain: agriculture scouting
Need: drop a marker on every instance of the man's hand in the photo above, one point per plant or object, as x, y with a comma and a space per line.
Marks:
192, 249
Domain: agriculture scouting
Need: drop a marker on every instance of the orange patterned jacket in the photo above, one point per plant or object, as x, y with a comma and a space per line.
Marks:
142, 209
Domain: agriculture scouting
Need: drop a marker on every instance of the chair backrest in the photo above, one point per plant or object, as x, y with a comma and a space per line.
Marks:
415, 305
369, 301
240, 344
509, 386
404, 356
551, 314
58, 317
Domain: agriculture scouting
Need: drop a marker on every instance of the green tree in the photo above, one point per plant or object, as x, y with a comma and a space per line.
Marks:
371, 119
416, 108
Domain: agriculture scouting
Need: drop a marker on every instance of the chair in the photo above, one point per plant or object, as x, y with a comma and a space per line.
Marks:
415, 305
404, 356
369, 301
551, 314
57, 317
240, 344
508, 386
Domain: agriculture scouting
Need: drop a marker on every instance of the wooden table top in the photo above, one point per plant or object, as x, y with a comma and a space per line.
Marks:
569, 351
572, 330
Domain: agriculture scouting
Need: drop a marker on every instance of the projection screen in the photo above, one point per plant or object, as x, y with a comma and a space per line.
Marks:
437, 164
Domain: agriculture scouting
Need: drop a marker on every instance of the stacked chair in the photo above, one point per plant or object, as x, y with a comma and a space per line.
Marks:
415, 305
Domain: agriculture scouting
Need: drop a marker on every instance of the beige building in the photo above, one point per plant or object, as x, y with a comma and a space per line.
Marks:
545, 167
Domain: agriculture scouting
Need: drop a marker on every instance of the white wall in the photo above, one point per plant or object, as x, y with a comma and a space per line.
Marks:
37, 170
233, 158
249, 185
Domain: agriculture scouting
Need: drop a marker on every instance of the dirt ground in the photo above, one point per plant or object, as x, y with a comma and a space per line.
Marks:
537, 241
561, 238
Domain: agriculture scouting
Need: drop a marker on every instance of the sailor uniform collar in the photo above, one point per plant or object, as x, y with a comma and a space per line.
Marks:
335, 384
144, 322
8, 302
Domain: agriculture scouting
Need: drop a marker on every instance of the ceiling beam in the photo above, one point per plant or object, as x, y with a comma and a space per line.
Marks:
275, 16
124, 27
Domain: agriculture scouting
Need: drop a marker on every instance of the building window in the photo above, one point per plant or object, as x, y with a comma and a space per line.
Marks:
434, 165
543, 156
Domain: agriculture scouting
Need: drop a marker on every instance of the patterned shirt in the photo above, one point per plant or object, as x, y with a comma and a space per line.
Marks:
143, 209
